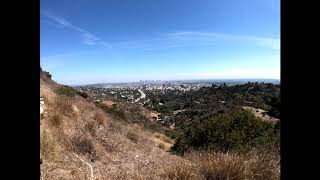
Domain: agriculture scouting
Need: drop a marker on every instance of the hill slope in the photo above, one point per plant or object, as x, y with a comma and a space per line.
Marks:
75, 134
81, 139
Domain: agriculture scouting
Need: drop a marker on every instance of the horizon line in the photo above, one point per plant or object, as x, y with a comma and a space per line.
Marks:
138, 81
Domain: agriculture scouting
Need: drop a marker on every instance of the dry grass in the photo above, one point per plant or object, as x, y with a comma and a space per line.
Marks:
115, 126
45, 99
163, 142
91, 128
63, 105
82, 145
132, 136
100, 118
220, 166
161, 146
110, 144
226, 166
166, 139
55, 120
48, 146
263, 165
157, 136
179, 171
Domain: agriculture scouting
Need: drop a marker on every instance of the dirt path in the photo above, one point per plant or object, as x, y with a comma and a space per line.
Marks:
261, 114
143, 95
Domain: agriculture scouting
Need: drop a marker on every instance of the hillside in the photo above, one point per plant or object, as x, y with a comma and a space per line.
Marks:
75, 132
181, 108
83, 139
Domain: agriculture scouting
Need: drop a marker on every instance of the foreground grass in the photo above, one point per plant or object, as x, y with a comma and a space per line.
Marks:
48, 146
257, 164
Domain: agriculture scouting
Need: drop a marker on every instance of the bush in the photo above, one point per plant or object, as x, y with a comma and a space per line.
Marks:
157, 136
100, 118
153, 126
163, 138
83, 94
90, 127
166, 139
132, 136
161, 146
66, 91
55, 120
113, 111
82, 145
239, 131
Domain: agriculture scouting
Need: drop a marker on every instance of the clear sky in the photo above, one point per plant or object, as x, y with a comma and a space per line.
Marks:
96, 41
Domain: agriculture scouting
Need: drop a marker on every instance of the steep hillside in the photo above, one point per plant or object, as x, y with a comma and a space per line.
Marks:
77, 136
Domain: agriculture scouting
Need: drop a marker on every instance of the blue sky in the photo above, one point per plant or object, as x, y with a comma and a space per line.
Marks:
96, 41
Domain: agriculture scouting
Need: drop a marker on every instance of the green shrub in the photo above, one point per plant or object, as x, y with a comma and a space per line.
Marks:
237, 131
102, 106
113, 111
83, 94
66, 91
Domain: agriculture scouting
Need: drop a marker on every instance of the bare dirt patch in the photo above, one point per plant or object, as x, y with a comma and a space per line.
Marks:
163, 141
261, 114
109, 103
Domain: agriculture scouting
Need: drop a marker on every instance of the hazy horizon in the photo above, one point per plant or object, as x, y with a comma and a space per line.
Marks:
173, 80
91, 42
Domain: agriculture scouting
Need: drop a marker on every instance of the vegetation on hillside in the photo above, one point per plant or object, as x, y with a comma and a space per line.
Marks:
238, 131
214, 140
66, 91
206, 165
70, 92
208, 101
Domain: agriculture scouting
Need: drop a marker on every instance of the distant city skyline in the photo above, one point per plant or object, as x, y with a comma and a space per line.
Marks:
211, 81
90, 42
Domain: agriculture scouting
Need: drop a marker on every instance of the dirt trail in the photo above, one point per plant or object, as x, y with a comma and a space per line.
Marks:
261, 114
